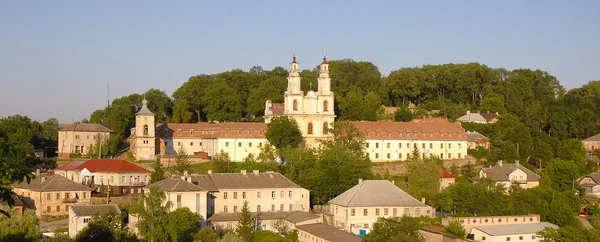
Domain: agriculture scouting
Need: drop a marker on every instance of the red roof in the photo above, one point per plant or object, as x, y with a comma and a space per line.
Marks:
111, 165
70, 166
446, 174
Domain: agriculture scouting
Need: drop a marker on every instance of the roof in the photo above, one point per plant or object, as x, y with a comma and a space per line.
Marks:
217, 181
83, 127
490, 116
593, 138
595, 176
422, 129
52, 183
111, 165
501, 172
174, 184
90, 210
292, 216
473, 136
371, 193
70, 166
330, 233
277, 109
16, 198
446, 174
144, 109
509, 229
471, 117
212, 130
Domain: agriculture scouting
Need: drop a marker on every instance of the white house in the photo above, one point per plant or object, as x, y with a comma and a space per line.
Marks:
80, 215
511, 232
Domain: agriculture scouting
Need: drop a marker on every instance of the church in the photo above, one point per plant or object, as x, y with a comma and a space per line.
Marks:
314, 113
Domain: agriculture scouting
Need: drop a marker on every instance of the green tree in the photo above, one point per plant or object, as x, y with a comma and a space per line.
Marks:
154, 219
158, 173
456, 229
403, 114
404, 229
182, 162
283, 132
223, 103
193, 91
106, 227
18, 228
182, 224
221, 163
13, 169
245, 226
206, 234
181, 112
231, 237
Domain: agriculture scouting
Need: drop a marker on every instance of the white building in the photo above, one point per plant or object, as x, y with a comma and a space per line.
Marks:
80, 215
511, 232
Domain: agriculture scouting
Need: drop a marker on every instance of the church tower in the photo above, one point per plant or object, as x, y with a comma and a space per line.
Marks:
145, 136
294, 95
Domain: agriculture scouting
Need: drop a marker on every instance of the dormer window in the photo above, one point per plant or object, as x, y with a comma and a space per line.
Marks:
178, 132
191, 132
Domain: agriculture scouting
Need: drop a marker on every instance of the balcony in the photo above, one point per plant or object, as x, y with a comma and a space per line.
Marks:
69, 200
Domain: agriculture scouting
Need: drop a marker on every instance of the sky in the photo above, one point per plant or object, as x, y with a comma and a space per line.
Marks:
57, 58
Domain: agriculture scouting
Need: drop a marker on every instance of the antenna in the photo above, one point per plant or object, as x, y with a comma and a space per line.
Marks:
108, 95
324, 52
294, 51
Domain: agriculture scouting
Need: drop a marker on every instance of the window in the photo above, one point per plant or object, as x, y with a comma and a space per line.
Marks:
76, 136
225, 195
399, 145
273, 194
533, 236
295, 105
399, 155
365, 212
146, 129
48, 209
281, 207
482, 237
57, 196
507, 238
58, 208
225, 208
376, 155
520, 237
430, 145
84, 194
250, 144
394, 212
406, 211
366, 226
88, 137
459, 145
258, 208
260, 144
291, 207
442, 156
377, 212
86, 220
441, 145
325, 128
178, 198
257, 194
367, 145
49, 197
166, 144
423, 145
459, 155
191, 143
449, 155
235, 209
178, 143
388, 155
123, 179
376, 145
450, 146
417, 212
178, 132
191, 132
200, 144
244, 195
290, 194
234, 195
239, 144
281, 194
310, 128
352, 212
325, 106
385, 211
226, 144
272, 207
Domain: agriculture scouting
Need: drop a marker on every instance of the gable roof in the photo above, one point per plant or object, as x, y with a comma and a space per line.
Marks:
471, 117
277, 109
52, 183
70, 166
174, 184
376, 193
217, 181
508, 229
474, 136
83, 127
329, 233
16, 198
595, 176
593, 138
425, 129
500, 172
90, 210
212, 130
490, 116
111, 165
446, 174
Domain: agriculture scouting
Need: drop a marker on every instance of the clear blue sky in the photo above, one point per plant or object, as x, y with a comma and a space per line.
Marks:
56, 57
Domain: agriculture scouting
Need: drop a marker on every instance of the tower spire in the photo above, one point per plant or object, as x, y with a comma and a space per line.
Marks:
324, 56
294, 58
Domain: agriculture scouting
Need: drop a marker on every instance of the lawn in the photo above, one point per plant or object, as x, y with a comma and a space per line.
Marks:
201, 168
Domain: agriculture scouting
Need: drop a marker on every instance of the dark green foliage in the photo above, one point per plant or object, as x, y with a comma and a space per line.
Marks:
245, 227
18, 228
405, 229
182, 225
158, 173
221, 163
154, 219
206, 234
593, 209
403, 114
106, 227
456, 229
182, 162
283, 132
13, 168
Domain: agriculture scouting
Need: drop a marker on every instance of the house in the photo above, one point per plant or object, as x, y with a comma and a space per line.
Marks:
80, 215
476, 140
592, 143
120, 177
78, 138
324, 233
314, 113
446, 179
591, 183
268, 191
267, 220
52, 195
509, 174
510, 232
491, 118
359, 207
472, 118
469, 222
18, 206
181, 192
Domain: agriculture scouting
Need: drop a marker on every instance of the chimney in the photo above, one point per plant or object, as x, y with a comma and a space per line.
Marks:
209, 172
244, 172
500, 162
256, 172
393, 182
37, 172
468, 112
359, 180
423, 200
517, 163
43, 179
185, 173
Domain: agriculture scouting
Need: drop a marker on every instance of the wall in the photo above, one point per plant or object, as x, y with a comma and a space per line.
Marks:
343, 218
527, 237
40, 202
196, 201
76, 224
469, 222
67, 140
299, 199
238, 149
394, 150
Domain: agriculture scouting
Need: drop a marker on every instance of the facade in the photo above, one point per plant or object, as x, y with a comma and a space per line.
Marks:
80, 215
591, 183
592, 143
52, 195
509, 174
469, 223
446, 179
78, 138
314, 113
181, 192
476, 140
472, 118
393, 141
359, 207
121, 177
267, 220
513, 232
324, 233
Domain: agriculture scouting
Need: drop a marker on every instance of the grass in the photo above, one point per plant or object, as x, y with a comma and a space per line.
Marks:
201, 168
51, 218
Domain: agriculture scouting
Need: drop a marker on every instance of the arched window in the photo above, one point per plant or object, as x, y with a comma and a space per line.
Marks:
295, 105
310, 128
325, 127
145, 129
325, 106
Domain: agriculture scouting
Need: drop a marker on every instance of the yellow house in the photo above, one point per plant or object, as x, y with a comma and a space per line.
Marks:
181, 192
77, 138
508, 174
52, 195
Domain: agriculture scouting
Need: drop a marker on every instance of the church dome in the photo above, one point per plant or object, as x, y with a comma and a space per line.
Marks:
311, 93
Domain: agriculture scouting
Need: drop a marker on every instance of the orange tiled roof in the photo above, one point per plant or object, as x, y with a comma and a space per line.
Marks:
212, 130
421, 129
446, 174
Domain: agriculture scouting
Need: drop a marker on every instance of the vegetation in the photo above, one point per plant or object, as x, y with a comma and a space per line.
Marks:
404, 229
154, 219
182, 162
107, 227
18, 228
283, 132
182, 225
245, 226
13, 168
